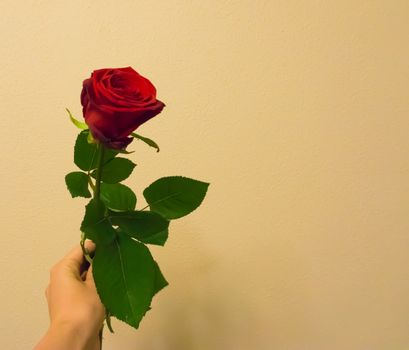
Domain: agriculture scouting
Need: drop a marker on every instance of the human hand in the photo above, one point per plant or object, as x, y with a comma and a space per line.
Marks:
76, 312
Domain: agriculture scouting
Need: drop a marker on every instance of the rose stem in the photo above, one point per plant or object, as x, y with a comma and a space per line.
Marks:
98, 174
97, 191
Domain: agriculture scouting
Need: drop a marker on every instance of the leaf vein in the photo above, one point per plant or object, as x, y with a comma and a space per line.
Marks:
124, 279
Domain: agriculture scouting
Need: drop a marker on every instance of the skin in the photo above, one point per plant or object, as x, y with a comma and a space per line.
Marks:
75, 310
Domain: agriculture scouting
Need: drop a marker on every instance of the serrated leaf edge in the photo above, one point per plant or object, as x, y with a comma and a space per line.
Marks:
172, 195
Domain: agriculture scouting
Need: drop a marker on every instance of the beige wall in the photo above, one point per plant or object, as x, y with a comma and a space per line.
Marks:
295, 111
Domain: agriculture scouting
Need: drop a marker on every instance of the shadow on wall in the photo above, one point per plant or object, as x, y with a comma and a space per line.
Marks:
208, 311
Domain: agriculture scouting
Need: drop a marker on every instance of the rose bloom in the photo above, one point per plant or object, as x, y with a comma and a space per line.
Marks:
115, 102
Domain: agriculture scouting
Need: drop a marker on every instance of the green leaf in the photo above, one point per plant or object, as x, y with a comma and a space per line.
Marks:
146, 140
116, 170
77, 123
126, 277
96, 225
159, 238
118, 197
160, 281
175, 196
85, 153
142, 225
77, 184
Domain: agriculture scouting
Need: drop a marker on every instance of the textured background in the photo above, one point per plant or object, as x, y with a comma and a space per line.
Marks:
295, 111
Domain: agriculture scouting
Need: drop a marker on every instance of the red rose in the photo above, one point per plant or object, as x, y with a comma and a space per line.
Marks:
115, 102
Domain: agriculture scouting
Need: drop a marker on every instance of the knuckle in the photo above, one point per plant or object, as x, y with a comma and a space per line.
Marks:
53, 270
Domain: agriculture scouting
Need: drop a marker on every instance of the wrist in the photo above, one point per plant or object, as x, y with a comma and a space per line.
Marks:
74, 336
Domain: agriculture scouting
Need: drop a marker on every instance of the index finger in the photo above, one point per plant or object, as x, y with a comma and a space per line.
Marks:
76, 257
